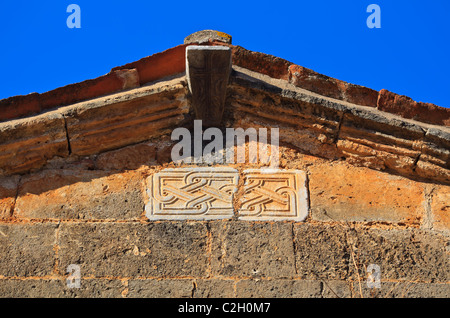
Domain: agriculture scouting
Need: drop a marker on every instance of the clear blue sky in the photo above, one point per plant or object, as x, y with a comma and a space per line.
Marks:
409, 54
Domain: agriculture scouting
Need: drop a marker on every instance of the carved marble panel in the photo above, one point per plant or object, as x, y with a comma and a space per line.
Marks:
274, 195
191, 193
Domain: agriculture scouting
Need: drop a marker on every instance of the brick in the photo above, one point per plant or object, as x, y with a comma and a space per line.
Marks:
278, 289
80, 194
214, 288
8, 191
159, 65
262, 63
408, 108
135, 250
27, 249
93, 88
327, 86
252, 249
360, 95
19, 106
128, 77
440, 208
165, 288
340, 192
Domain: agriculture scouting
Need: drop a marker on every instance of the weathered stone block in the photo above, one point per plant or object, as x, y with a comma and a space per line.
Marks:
80, 194
214, 288
408, 108
126, 118
55, 288
340, 192
321, 251
8, 191
305, 78
331, 252
164, 288
28, 143
27, 249
407, 289
31, 288
131, 157
409, 254
252, 249
278, 288
135, 250
440, 208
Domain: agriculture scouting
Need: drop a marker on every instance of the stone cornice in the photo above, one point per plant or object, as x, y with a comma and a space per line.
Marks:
316, 114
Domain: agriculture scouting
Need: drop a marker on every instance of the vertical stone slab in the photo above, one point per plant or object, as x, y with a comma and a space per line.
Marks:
208, 70
191, 193
274, 195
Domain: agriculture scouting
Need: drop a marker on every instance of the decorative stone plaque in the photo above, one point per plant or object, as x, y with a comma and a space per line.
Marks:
191, 193
274, 195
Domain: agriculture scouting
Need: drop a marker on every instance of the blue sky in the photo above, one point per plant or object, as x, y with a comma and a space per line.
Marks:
409, 54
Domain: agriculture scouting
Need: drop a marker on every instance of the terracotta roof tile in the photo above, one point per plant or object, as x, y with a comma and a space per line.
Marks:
172, 61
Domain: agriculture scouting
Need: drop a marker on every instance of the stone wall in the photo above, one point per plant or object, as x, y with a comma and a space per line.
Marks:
74, 187
91, 212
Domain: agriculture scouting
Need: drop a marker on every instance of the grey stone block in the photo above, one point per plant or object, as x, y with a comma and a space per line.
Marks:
278, 289
27, 249
135, 250
57, 288
252, 249
33, 288
205, 35
165, 288
402, 290
321, 252
325, 251
214, 288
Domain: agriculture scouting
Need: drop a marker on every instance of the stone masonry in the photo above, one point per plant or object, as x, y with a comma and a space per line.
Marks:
91, 183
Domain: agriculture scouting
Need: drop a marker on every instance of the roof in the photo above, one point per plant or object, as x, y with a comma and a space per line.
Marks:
144, 99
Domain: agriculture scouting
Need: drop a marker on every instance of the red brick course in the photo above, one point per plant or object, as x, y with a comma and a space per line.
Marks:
172, 61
